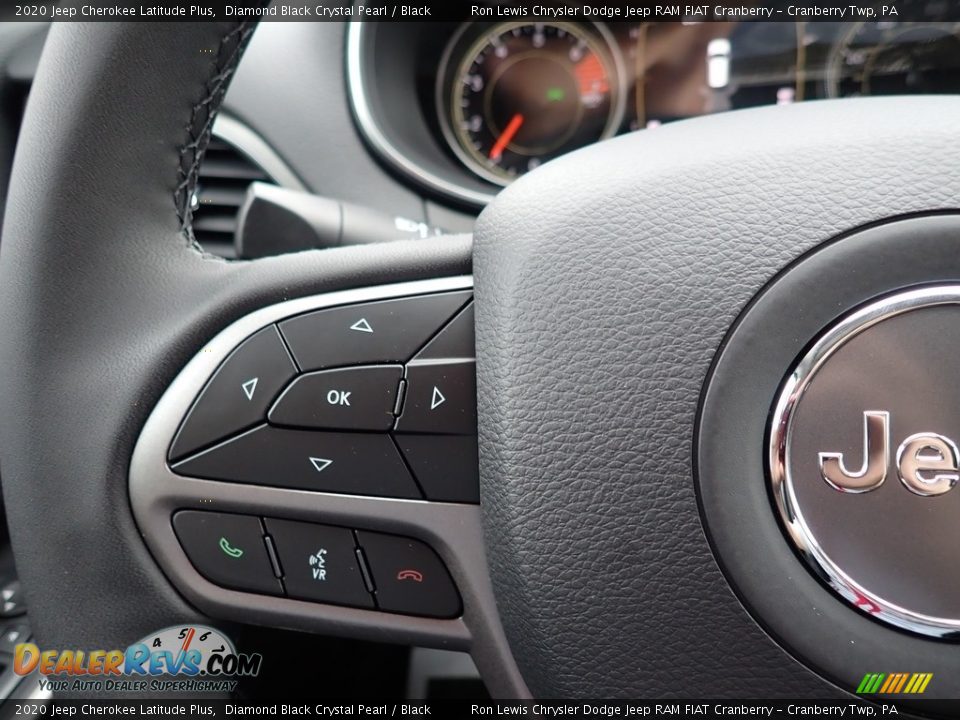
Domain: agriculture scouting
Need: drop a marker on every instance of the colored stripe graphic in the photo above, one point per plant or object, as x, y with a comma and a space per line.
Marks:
894, 683
868, 680
891, 682
899, 686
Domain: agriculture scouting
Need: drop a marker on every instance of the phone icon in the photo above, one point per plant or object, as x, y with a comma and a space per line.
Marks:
228, 549
410, 575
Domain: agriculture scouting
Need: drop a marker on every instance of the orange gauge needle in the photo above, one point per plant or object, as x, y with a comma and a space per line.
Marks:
506, 136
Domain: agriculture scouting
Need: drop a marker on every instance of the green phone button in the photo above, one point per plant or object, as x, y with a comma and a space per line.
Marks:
227, 549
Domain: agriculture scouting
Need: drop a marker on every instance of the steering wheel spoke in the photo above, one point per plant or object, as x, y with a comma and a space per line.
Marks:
339, 559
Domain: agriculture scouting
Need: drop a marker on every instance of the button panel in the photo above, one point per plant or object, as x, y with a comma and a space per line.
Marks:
441, 398
227, 549
409, 577
443, 513
388, 331
446, 466
437, 430
456, 340
374, 399
238, 394
353, 463
318, 563
362, 398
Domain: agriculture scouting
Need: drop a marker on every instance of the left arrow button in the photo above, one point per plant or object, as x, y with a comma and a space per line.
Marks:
250, 387
238, 395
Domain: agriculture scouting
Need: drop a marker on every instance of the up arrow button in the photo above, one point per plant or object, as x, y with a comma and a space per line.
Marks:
387, 331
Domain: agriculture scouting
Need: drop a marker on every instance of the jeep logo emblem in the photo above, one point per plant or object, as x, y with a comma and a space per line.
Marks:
862, 453
927, 463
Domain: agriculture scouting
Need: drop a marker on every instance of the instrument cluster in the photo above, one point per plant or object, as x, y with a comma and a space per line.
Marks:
513, 95
463, 109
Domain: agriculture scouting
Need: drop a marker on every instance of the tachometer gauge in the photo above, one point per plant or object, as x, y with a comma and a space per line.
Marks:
894, 58
518, 94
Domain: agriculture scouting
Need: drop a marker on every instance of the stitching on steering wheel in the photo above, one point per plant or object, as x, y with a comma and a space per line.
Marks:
200, 126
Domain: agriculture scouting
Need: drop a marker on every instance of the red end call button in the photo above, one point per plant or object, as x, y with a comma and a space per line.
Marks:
409, 577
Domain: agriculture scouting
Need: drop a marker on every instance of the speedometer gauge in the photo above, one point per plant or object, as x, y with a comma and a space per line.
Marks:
895, 58
521, 93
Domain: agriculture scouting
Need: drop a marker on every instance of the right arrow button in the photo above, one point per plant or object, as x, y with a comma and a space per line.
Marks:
441, 398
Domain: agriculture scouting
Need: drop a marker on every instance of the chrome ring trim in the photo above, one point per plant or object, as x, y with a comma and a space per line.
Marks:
781, 430
356, 91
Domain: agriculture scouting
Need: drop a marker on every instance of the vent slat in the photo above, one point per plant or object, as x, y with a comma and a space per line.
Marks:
221, 223
225, 174
230, 168
216, 195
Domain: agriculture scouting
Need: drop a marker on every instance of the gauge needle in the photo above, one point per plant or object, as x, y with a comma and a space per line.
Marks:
506, 136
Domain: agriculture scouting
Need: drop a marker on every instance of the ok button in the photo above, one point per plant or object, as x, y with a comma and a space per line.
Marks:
339, 397
357, 398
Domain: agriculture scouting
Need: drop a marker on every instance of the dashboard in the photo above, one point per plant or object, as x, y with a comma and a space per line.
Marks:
414, 119
464, 109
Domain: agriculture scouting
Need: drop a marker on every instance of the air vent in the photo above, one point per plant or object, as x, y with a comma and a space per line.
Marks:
225, 175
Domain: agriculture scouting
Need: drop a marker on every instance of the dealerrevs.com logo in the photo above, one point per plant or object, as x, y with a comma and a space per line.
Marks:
191, 658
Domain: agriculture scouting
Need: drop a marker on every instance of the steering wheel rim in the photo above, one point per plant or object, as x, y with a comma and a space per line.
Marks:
111, 297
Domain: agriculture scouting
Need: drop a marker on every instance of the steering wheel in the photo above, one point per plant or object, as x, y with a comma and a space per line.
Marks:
639, 306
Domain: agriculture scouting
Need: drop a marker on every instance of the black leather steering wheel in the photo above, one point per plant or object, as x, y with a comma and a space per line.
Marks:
605, 285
